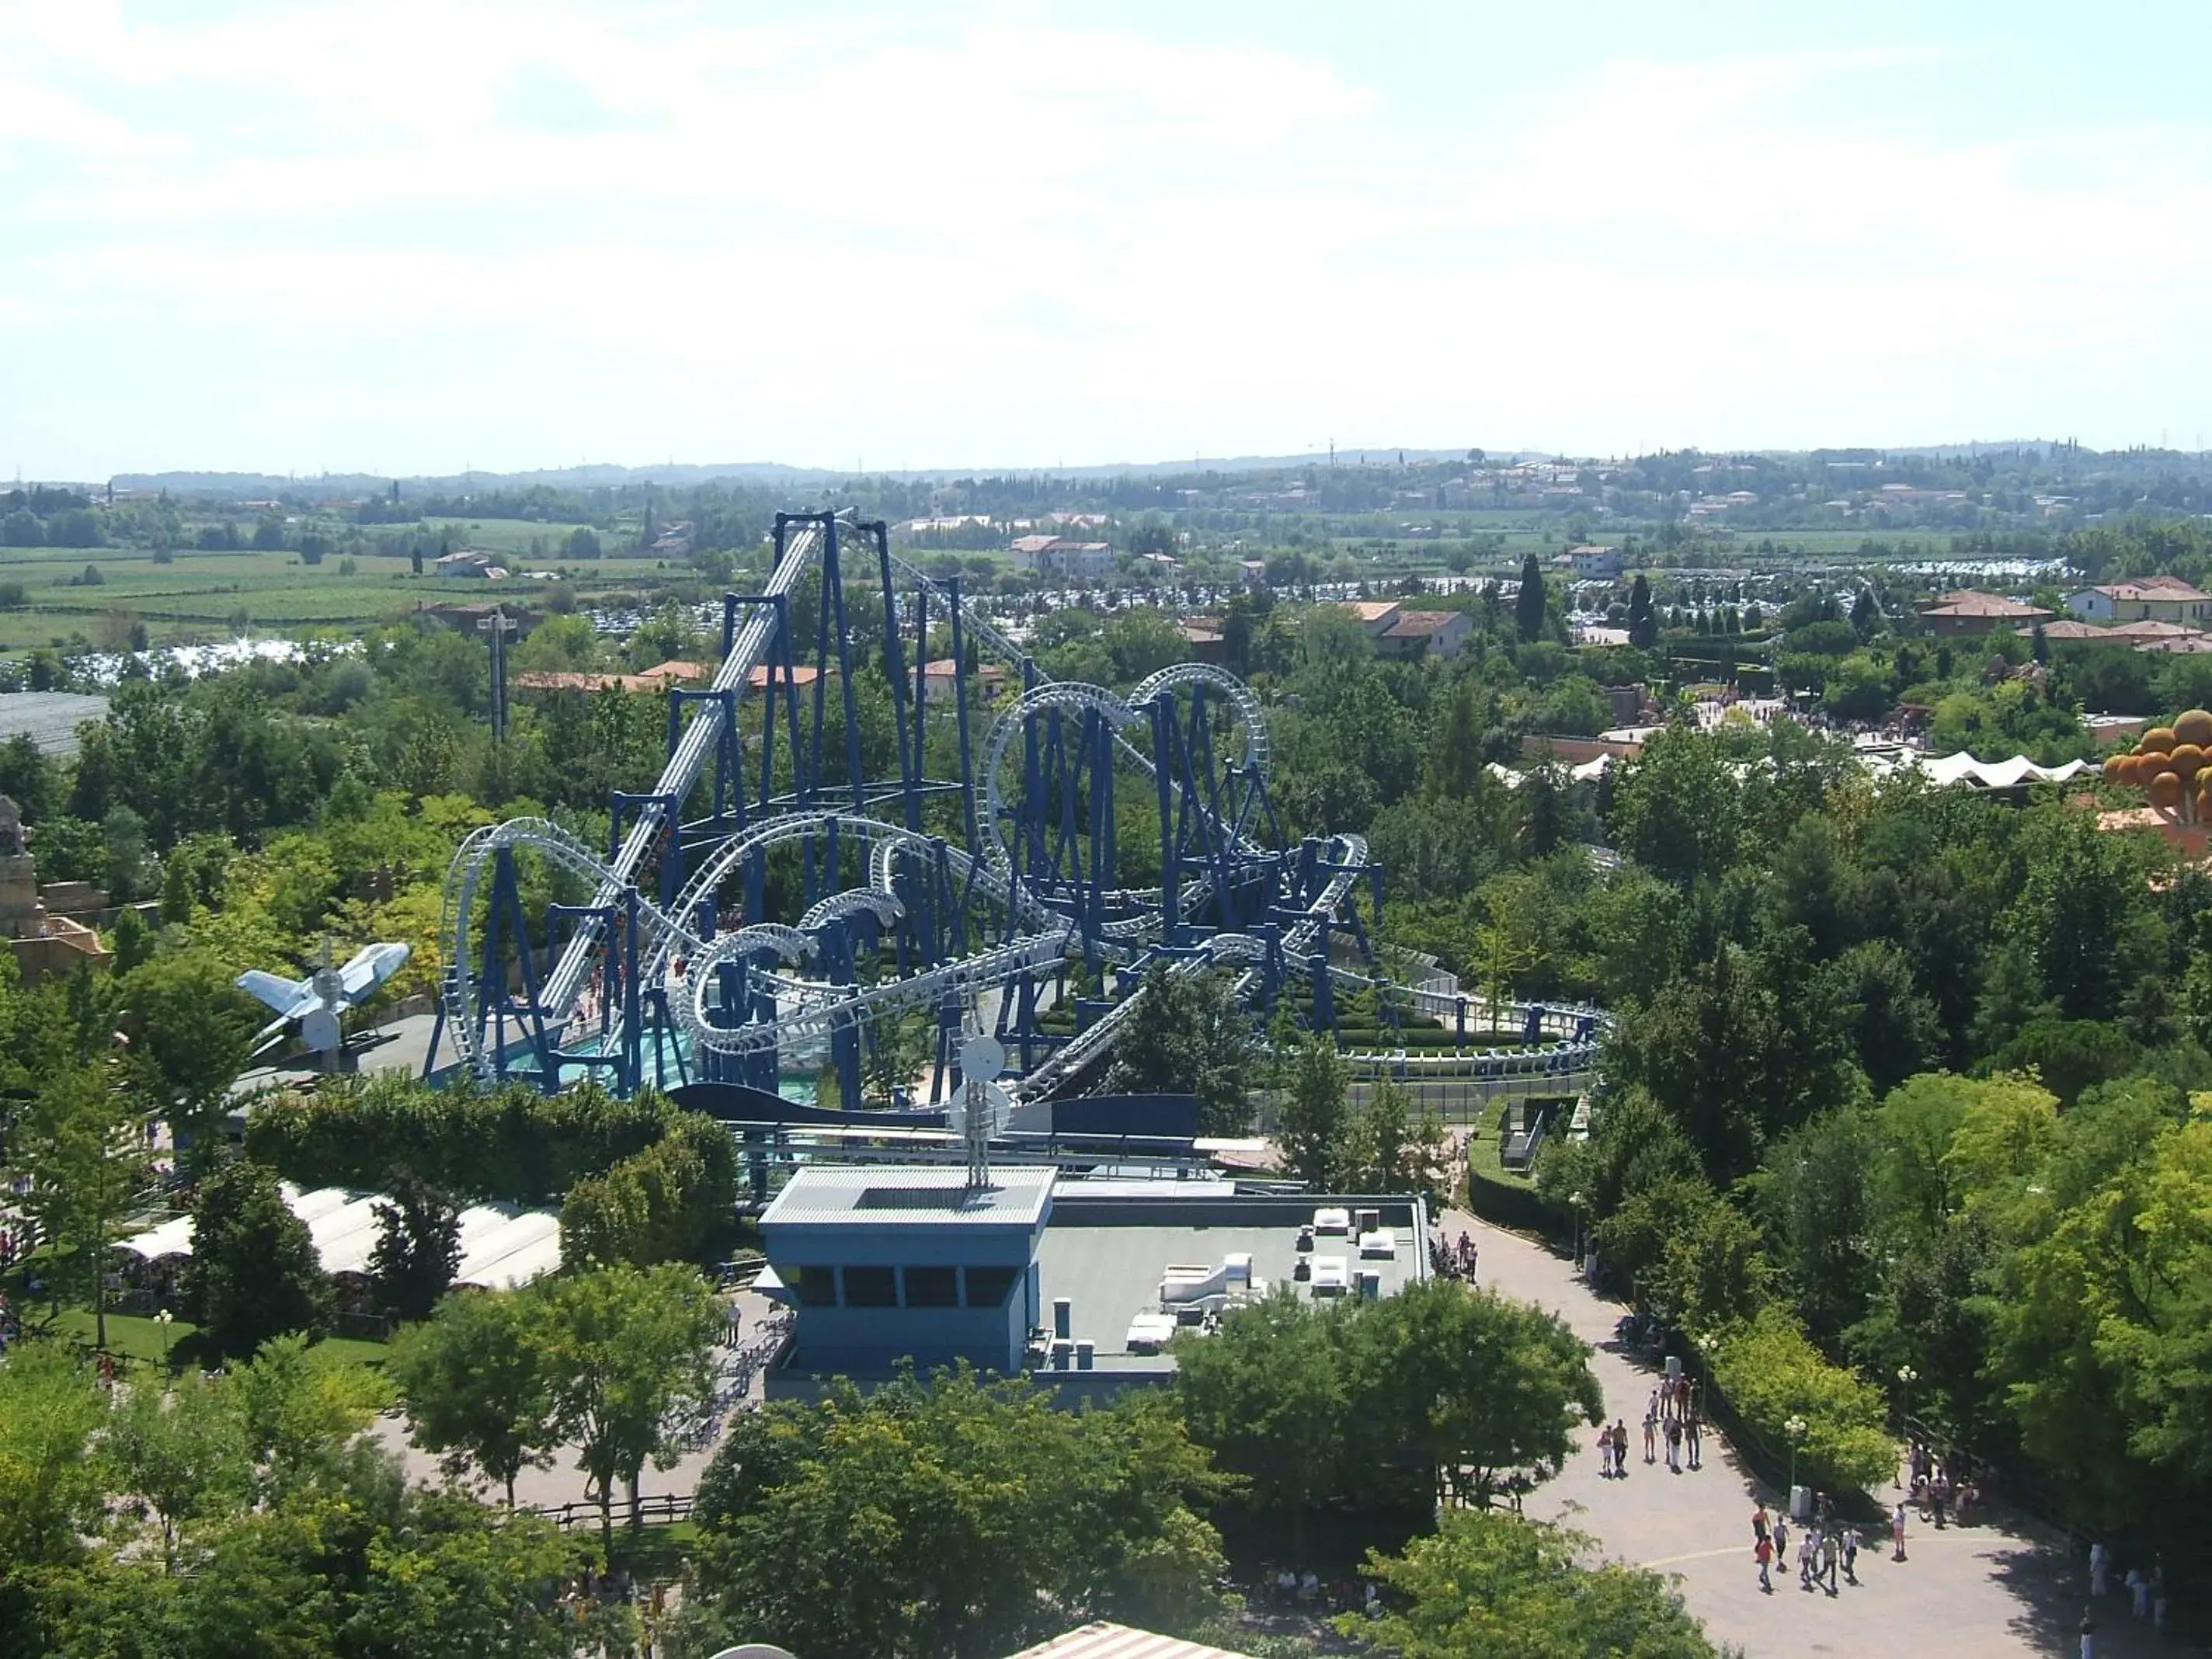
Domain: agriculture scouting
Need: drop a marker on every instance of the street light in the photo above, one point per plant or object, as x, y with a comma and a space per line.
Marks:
1577, 1201
1795, 1428
162, 1319
1906, 1376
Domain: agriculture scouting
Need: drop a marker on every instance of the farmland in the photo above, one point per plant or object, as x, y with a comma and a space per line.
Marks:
200, 595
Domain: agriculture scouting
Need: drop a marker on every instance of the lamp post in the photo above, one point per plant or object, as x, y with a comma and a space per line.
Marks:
162, 1319
1577, 1203
1906, 1376
1795, 1428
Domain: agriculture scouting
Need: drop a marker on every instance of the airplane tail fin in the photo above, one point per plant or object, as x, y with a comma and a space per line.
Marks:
273, 989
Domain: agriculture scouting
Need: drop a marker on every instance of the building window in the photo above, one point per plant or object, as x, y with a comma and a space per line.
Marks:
818, 1287
871, 1287
933, 1287
988, 1287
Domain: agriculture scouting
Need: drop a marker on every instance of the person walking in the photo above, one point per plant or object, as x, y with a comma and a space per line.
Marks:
1674, 1445
1763, 1551
1782, 1541
1605, 1451
2100, 1572
1852, 1555
2138, 1588
1897, 1532
1831, 1549
2088, 1634
1760, 1527
1620, 1447
1651, 1429
1805, 1560
1690, 1433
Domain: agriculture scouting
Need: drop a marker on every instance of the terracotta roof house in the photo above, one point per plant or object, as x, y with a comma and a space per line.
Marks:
1972, 612
2148, 599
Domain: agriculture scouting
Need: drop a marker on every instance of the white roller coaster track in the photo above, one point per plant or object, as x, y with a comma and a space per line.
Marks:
668, 939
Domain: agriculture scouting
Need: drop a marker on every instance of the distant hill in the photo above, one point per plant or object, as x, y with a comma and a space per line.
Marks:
247, 486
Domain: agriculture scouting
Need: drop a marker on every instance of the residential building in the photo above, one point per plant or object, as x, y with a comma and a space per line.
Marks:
1593, 562
1969, 612
1203, 635
2148, 598
1078, 561
468, 562
1426, 634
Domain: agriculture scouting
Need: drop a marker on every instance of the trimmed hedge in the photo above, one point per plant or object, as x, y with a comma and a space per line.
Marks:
509, 1144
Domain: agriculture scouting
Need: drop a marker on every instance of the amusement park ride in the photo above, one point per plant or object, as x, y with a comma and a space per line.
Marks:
768, 901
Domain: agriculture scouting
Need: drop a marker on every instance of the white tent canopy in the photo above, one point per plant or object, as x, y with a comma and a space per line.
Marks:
501, 1245
1963, 768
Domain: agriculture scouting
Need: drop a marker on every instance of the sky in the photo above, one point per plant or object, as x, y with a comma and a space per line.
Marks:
416, 236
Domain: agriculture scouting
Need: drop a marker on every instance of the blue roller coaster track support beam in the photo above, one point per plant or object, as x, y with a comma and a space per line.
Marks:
780, 680
950, 1036
909, 745
1324, 999
832, 638
1163, 712
495, 999
960, 713
836, 959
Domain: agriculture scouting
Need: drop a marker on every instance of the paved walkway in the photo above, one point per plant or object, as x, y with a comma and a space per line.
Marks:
563, 1482
1978, 1592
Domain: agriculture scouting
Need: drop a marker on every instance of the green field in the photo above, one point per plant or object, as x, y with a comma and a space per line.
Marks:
200, 595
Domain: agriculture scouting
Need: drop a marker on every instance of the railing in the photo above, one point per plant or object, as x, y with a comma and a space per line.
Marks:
655, 1509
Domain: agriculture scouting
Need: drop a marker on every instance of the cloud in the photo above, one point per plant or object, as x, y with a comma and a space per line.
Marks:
661, 226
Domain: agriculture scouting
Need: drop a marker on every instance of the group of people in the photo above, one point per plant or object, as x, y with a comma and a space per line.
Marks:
1453, 1258
1943, 1488
1670, 1420
2145, 1587
1827, 1548
1304, 1592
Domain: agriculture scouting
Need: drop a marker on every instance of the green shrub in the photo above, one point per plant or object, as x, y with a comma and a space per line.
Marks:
1770, 1372
509, 1143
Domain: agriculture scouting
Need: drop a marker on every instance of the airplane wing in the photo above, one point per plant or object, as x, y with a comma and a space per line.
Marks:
371, 966
282, 995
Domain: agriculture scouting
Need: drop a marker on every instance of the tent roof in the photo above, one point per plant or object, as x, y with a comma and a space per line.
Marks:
501, 1245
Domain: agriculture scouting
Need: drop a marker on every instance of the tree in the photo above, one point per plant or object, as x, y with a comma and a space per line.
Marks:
418, 1246
1498, 1585
926, 1520
1311, 1131
1268, 1394
629, 1353
192, 1033
181, 1451
1191, 1038
1529, 605
50, 1487
1642, 621
253, 1273
1486, 1393
81, 1148
583, 543
474, 1383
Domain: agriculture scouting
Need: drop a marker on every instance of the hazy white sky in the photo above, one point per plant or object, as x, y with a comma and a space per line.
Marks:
411, 235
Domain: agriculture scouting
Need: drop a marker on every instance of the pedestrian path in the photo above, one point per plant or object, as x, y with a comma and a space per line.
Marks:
1978, 1592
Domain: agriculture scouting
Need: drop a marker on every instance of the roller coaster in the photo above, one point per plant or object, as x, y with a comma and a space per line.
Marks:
771, 902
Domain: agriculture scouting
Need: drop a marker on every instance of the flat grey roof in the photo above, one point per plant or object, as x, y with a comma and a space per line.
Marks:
51, 717
1112, 1272
928, 1196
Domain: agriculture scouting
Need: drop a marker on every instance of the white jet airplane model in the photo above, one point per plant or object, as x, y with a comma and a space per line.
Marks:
317, 1001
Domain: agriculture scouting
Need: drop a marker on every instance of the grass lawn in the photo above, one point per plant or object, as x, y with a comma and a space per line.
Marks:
137, 1338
